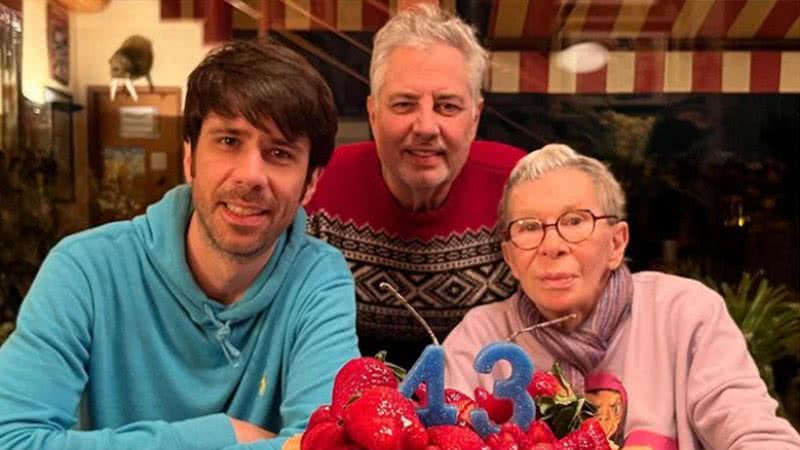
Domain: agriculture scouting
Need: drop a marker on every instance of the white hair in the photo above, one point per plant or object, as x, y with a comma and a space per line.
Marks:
556, 156
424, 25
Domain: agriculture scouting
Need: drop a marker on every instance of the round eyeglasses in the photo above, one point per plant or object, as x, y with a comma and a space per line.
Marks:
573, 226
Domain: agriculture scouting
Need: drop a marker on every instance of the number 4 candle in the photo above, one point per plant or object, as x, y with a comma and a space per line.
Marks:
428, 370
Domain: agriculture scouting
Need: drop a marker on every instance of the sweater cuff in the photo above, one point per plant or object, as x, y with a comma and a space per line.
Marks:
206, 432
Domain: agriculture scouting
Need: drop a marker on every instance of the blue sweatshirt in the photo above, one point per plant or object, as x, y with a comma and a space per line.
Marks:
116, 322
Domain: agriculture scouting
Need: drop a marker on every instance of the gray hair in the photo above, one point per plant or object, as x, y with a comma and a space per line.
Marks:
422, 26
556, 156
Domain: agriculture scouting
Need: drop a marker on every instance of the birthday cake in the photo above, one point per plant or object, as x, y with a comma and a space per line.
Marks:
372, 410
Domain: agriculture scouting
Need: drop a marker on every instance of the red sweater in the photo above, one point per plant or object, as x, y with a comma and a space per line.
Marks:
443, 261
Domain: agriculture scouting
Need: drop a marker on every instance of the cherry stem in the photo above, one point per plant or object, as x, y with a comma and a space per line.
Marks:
388, 287
542, 325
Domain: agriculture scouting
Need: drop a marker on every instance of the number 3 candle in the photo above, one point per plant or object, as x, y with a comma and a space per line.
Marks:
513, 388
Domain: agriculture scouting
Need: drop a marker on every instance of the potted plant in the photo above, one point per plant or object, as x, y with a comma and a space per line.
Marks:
28, 226
769, 318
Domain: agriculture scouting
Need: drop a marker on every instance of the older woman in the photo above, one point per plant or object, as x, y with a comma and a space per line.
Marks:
658, 354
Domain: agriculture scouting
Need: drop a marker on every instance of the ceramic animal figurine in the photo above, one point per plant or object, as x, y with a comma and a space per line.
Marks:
133, 60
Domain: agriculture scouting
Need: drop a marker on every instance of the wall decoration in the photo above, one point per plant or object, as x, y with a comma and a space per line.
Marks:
138, 122
58, 42
37, 128
10, 71
122, 189
132, 60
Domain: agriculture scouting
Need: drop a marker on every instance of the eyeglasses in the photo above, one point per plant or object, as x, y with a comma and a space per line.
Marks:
573, 226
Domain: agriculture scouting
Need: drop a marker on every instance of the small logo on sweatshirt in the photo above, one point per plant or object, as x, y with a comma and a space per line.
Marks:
262, 386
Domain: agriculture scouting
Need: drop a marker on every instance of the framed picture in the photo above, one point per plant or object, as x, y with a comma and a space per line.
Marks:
58, 42
61, 109
10, 79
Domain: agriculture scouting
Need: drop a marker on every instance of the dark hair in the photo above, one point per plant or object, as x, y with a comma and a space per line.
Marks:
262, 80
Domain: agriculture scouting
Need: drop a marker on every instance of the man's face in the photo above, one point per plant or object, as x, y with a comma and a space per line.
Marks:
247, 185
424, 118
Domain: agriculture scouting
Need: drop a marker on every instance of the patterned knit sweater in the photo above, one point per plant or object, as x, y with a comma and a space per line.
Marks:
443, 261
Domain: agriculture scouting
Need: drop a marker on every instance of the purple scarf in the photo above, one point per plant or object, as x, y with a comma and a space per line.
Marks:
581, 350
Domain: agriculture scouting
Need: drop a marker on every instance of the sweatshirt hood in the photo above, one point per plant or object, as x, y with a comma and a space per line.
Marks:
162, 230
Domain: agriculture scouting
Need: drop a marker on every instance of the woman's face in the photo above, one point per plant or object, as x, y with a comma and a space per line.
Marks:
564, 278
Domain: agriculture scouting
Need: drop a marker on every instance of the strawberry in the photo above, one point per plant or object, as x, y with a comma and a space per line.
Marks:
542, 446
509, 436
322, 414
595, 431
416, 436
543, 384
421, 395
455, 397
383, 419
453, 437
325, 436
577, 440
590, 436
506, 446
463, 403
499, 410
357, 376
539, 432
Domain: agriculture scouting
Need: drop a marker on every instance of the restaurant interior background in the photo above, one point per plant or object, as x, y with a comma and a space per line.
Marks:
695, 104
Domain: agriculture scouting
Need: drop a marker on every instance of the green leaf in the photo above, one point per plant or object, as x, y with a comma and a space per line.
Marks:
562, 378
546, 407
399, 372
561, 424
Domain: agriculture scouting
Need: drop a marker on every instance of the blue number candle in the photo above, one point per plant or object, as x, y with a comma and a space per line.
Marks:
513, 388
429, 369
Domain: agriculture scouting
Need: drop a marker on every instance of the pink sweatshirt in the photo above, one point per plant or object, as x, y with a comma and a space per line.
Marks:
686, 375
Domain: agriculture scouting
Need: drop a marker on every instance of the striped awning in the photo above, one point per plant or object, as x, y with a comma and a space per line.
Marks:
13, 4
342, 15
650, 71
676, 19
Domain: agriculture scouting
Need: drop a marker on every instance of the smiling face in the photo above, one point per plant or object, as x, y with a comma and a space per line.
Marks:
424, 119
247, 184
563, 278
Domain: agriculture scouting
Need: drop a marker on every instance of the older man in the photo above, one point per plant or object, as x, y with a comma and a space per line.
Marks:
417, 207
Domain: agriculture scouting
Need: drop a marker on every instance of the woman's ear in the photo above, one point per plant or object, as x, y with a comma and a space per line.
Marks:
508, 256
619, 242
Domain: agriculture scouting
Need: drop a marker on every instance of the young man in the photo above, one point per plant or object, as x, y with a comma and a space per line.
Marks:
417, 207
213, 320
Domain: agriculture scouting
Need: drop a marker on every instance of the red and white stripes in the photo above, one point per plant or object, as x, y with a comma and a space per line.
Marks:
680, 19
342, 15
650, 71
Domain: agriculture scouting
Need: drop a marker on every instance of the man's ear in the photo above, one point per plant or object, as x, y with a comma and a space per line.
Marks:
619, 242
188, 173
371, 110
478, 110
311, 187
477, 118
